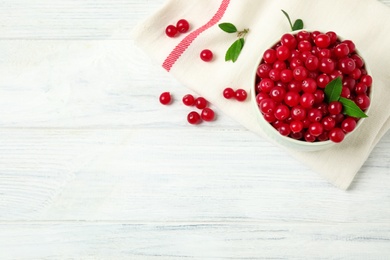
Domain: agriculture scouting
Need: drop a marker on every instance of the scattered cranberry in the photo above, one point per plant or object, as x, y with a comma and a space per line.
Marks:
171, 31
188, 100
207, 114
206, 55
165, 98
193, 118
201, 103
241, 95
183, 26
228, 93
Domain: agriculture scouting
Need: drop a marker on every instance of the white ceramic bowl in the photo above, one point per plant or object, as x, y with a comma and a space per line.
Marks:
289, 142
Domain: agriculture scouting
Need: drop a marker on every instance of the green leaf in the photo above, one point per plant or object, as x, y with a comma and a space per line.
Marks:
351, 109
234, 51
333, 90
228, 27
298, 25
289, 20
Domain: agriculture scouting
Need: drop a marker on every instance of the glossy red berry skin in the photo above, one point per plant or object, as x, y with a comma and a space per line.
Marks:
335, 108
314, 115
267, 106
182, 26
366, 79
289, 41
326, 65
241, 95
300, 73
207, 114
165, 98
346, 65
171, 31
341, 50
291, 99
296, 126
315, 129
348, 125
323, 80
228, 93
283, 53
322, 40
188, 100
206, 55
309, 137
307, 100
282, 112
201, 103
363, 101
263, 70
298, 113
269, 56
266, 85
277, 94
193, 118
328, 123
312, 63
336, 135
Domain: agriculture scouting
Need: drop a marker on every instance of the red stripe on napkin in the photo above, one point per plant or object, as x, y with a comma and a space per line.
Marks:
186, 42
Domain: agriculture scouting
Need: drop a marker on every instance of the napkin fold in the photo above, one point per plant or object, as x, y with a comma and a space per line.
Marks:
349, 18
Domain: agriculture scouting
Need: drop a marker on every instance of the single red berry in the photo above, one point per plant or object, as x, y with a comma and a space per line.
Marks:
289, 41
283, 52
277, 94
282, 112
183, 26
267, 106
315, 34
295, 86
266, 85
324, 54
241, 95
296, 126
319, 96
323, 107
332, 36
298, 113
314, 115
165, 98
304, 46
274, 75
366, 79
200, 103
296, 136
358, 60
309, 137
309, 85
345, 92
363, 101
193, 118
188, 100
323, 137
286, 75
328, 122
360, 88
171, 31
315, 129
335, 108
356, 73
303, 36
336, 74
348, 125
305, 55
279, 65
307, 100
339, 118
206, 55
349, 83
323, 80
269, 56
207, 114
300, 73
312, 63
346, 65
284, 129
327, 65
296, 62
336, 135
263, 70
322, 40
291, 99
341, 50
228, 93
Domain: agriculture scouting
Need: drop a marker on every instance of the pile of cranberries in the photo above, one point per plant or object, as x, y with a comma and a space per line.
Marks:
291, 79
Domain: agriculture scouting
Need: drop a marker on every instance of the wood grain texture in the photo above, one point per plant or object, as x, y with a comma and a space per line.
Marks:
194, 241
93, 167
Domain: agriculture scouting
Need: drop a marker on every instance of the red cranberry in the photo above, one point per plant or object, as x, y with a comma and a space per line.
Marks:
314, 115
277, 94
322, 40
326, 65
182, 26
366, 79
188, 100
346, 65
193, 118
323, 80
283, 52
200, 103
286, 75
328, 122
292, 98
298, 113
309, 85
341, 50
315, 129
228, 93
363, 101
300, 73
207, 114
335, 108
336, 135
171, 31
348, 125
289, 41
267, 106
263, 70
282, 112
241, 95
269, 56
165, 98
266, 85
307, 100
206, 55
296, 126
332, 36
312, 63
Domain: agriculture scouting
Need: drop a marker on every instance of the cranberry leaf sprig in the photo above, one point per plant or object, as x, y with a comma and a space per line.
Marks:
333, 93
235, 49
298, 24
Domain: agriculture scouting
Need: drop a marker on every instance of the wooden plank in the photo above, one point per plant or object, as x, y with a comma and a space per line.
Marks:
194, 240
147, 174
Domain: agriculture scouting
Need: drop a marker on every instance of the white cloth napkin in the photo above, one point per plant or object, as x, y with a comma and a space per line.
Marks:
366, 22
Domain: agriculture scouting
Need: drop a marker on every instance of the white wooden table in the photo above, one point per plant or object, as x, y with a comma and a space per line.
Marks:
93, 167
